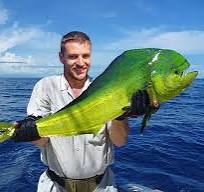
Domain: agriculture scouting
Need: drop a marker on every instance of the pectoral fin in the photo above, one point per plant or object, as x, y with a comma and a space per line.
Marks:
150, 110
146, 119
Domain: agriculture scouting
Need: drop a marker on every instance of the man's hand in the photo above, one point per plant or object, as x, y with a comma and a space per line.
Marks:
140, 103
26, 130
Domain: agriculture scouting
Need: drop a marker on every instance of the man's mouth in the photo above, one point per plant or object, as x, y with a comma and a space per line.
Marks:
80, 71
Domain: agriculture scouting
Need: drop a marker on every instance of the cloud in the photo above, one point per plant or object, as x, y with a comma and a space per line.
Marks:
13, 64
190, 42
13, 58
187, 42
3, 15
15, 36
29, 49
24, 48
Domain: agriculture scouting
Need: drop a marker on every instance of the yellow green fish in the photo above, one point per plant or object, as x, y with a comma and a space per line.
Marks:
159, 71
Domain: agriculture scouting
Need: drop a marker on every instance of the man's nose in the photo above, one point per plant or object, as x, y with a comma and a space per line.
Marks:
80, 61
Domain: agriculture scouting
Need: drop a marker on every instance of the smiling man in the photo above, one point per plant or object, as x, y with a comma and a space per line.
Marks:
75, 163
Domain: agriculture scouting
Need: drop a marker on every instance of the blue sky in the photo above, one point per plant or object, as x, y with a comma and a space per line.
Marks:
30, 31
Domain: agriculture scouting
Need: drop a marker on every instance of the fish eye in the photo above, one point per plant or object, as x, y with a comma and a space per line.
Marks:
176, 72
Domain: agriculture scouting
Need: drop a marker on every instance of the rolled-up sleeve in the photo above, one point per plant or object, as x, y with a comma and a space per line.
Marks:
39, 103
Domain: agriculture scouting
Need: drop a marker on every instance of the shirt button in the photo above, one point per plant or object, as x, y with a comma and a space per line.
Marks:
77, 149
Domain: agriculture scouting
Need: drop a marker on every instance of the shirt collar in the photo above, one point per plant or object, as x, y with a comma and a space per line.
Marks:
64, 84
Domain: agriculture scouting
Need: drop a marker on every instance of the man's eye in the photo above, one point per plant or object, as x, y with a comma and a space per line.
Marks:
72, 56
86, 56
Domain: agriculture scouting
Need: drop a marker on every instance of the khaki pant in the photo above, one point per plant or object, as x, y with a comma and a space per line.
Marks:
87, 185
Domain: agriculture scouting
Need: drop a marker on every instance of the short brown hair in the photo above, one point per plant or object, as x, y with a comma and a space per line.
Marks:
74, 36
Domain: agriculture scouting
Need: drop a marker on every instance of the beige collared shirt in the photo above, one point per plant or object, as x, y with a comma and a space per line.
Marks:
76, 157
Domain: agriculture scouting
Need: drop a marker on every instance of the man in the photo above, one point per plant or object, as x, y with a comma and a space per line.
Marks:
76, 163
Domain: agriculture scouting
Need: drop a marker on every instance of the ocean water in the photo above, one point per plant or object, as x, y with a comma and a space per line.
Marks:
169, 155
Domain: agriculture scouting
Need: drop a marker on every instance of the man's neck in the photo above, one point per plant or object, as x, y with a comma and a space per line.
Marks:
74, 83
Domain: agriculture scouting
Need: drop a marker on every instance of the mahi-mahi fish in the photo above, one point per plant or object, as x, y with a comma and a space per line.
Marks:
161, 72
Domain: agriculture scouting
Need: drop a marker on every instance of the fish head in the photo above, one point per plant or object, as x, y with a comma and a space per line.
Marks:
168, 74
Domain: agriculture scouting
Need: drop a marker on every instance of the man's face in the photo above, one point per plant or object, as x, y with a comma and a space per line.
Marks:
76, 59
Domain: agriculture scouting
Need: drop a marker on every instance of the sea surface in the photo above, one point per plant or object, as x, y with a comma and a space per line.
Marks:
169, 155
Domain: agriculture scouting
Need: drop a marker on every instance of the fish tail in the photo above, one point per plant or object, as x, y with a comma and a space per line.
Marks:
6, 130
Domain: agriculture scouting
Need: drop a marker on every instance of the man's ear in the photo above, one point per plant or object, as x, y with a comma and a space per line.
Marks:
61, 57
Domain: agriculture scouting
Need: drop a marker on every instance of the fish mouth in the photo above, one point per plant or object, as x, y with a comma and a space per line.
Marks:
182, 70
186, 79
171, 85
183, 78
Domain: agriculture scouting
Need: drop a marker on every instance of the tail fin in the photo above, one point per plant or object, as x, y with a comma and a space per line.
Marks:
6, 130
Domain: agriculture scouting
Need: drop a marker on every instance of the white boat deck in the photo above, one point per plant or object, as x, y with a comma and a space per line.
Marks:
137, 188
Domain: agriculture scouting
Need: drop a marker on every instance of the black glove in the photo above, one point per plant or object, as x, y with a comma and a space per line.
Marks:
26, 130
139, 104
